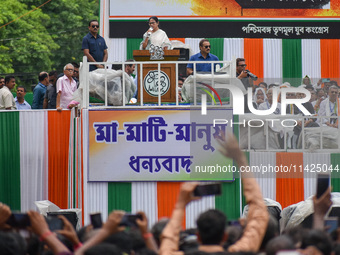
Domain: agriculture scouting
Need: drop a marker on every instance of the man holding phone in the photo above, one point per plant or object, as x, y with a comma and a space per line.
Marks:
211, 224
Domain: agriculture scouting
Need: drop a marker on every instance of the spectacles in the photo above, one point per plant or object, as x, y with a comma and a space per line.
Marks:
70, 70
76, 71
242, 65
207, 46
93, 26
334, 92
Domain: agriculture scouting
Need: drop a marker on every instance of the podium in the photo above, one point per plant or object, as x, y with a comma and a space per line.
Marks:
150, 76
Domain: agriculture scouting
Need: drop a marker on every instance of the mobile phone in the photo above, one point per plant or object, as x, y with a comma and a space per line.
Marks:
19, 220
234, 223
291, 252
96, 220
208, 190
129, 220
54, 223
331, 224
322, 184
325, 80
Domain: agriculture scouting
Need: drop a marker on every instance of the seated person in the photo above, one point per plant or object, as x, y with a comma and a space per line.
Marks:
155, 36
293, 109
330, 107
203, 55
259, 97
263, 85
320, 96
268, 104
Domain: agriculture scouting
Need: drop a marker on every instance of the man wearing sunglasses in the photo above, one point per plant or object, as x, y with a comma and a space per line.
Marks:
203, 55
94, 46
242, 74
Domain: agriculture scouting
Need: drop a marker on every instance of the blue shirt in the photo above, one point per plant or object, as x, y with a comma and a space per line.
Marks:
202, 67
23, 106
38, 96
96, 47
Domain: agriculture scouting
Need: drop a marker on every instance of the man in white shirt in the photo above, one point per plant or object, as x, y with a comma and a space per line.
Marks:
6, 97
330, 107
66, 86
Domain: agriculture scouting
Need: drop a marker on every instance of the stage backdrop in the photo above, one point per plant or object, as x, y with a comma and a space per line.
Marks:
226, 8
226, 19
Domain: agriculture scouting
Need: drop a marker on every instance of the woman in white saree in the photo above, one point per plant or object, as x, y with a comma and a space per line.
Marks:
155, 36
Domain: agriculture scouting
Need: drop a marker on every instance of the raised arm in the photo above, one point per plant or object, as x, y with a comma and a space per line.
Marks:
321, 206
148, 237
5, 212
258, 216
111, 226
40, 228
170, 235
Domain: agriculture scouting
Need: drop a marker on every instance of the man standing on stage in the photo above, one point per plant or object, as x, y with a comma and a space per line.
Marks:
94, 46
203, 55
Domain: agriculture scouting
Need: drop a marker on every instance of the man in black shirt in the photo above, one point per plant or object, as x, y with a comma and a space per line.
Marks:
50, 100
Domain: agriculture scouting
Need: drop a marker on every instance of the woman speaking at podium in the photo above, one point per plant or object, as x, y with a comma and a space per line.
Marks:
155, 36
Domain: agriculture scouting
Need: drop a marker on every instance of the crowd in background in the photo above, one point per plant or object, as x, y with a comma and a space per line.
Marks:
45, 93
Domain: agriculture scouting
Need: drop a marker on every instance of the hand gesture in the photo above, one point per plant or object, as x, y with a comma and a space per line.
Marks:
244, 74
5, 212
113, 221
142, 224
68, 231
38, 223
229, 146
186, 194
323, 203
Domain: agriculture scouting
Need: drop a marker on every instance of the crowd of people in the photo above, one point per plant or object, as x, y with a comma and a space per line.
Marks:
323, 103
54, 91
257, 233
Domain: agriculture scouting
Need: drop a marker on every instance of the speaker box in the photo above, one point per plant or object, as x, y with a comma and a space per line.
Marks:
70, 216
183, 54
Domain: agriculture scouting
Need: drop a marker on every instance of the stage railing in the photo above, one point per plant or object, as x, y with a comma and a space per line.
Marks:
288, 133
226, 67
322, 138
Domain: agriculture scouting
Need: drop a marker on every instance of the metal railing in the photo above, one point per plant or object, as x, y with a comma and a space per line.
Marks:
313, 139
228, 67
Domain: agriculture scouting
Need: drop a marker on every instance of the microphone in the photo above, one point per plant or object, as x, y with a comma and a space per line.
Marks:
251, 75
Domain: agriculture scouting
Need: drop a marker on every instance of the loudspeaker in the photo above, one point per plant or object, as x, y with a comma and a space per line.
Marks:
183, 54
70, 216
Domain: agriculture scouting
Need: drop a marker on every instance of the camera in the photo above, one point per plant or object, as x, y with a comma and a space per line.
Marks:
251, 75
